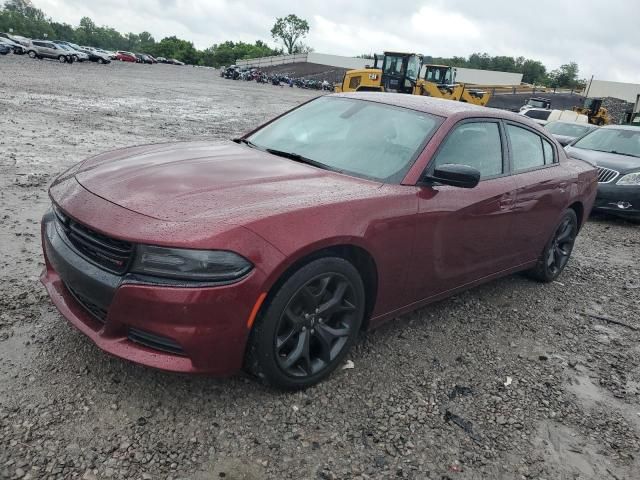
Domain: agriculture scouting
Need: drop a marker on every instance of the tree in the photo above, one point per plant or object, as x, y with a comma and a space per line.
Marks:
302, 48
566, 76
290, 29
533, 72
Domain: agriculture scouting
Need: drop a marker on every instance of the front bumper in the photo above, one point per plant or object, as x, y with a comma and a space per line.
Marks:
174, 328
619, 200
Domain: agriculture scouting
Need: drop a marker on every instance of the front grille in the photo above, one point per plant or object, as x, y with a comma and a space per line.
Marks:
97, 312
607, 175
109, 253
154, 341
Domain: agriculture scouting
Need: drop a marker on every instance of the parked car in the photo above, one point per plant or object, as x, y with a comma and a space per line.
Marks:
567, 132
615, 149
5, 49
96, 56
161, 60
77, 54
536, 102
24, 41
110, 54
174, 61
151, 57
16, 48
46, 49
273, 252
126, 56
543, 116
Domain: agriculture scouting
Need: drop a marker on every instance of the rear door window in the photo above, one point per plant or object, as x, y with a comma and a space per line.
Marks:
549, 152
526, 148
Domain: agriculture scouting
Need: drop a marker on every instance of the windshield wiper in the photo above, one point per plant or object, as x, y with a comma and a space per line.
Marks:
246, 142
297, 158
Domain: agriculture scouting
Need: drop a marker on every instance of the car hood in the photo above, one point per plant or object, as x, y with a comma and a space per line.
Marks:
621, 163
225, 182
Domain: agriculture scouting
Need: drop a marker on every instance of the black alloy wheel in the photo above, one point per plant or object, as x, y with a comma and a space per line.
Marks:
309, 325
315, 325
558, 250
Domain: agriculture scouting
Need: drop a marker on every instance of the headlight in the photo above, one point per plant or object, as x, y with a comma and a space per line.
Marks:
630, 179
200, 265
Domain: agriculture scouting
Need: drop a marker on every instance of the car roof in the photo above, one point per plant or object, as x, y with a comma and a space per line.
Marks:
434, 106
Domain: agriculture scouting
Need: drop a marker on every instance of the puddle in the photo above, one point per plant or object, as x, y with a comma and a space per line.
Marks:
592, 396
570, 453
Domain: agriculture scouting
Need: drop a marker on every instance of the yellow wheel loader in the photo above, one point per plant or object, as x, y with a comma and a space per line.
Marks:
406, 73
593, 109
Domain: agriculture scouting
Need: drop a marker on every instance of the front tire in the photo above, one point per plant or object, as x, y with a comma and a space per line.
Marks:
32, 54
309, 325
557, 251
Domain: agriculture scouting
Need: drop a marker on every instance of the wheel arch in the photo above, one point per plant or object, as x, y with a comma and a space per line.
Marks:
578, 207
357, 255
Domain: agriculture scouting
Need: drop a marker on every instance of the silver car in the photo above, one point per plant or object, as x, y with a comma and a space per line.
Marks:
46, 49
77, 55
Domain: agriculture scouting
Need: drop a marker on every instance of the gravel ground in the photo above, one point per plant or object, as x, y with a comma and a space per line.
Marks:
511, 380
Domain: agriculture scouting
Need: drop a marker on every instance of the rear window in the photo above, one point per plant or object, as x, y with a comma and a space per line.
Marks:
567, 129
538, 114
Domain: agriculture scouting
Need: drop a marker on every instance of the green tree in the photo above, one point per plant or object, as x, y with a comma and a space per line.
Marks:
533, 72
289, 30
566, 76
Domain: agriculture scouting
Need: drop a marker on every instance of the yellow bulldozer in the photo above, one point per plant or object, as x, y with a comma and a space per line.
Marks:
592, 108
407, 73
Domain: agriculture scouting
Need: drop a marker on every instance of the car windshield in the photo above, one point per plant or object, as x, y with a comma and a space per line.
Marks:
567, 129
361, 138
611, 140
536, 103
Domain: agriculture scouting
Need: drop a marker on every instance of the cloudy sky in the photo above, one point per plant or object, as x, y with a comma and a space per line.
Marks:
602, 36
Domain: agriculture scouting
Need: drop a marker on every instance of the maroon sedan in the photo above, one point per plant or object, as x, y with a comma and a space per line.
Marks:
126, 57
271, 253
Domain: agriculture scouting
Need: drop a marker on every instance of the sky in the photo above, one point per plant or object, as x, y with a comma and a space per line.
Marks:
601, 36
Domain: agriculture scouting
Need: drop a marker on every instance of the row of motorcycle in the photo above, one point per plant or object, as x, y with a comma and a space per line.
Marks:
253, 74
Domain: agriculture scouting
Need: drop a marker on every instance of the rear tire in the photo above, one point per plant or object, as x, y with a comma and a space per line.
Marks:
557, 251
62, 59
308, 326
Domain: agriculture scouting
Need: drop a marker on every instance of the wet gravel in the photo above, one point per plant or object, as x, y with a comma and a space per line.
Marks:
511, 380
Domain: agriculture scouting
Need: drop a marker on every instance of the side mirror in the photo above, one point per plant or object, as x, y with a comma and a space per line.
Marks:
455, 175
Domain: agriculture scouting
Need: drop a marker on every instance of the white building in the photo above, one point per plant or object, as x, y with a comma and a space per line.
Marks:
602, 88
464, 75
